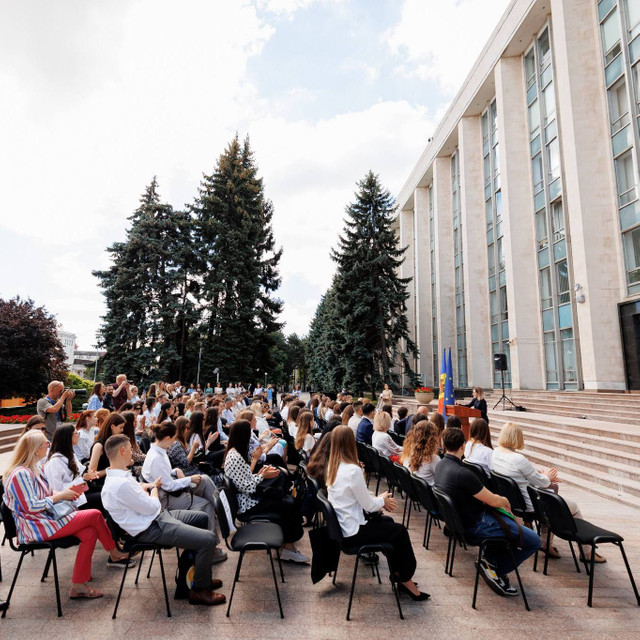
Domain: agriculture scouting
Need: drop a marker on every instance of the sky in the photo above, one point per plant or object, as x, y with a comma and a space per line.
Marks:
98, 97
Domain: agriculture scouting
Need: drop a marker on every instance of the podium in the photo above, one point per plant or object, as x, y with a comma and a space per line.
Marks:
464, 413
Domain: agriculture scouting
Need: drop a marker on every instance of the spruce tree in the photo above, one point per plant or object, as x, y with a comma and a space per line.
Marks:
144, 330
370, 296
238, 263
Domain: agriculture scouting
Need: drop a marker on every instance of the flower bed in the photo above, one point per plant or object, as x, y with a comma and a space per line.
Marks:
17, 419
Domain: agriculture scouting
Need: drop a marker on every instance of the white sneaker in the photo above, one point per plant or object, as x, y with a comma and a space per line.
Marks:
293, 556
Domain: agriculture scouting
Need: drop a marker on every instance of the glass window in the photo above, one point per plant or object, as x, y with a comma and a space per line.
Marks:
538, 177
485, 125
544, 48
534, 118
636, 83
491, 258
541, 229
564, 316
557, 220
498, 199
618, 105
562, 279
503, 303
493, 305
631, 243
626, 178
549, 100
553, 151
568, 356
550, 360
530, 67
547, 320
610, 32
633, 17
501, 263
545, 288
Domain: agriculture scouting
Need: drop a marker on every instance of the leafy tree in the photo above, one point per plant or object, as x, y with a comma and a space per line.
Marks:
238, 263
31, 354
146, 288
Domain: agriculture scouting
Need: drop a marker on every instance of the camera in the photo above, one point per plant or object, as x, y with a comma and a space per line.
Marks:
78, 392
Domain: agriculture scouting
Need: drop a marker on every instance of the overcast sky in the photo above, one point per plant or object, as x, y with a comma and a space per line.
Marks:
98, 96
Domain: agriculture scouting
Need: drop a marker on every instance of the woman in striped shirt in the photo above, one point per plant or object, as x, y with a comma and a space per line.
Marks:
28, 495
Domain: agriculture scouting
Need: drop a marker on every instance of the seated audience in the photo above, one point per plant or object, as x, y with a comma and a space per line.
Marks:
420, 453
365, 427
112, 426
454, 422
181, 452
304, 440
140, 514
166, 412
129, 430
507, 461
317, 465
292, 421
347, 414
28, 495
239, 468
479, 448
400, 425
381, 440
349, 496
34, 422
472, 499
354, 421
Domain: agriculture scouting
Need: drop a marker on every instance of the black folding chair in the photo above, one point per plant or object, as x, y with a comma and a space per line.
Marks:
457, 535
335, 533
29, 547
509, 489
253, 536
388, 471
232, 497
374, 464
482, 476
407, 486
130, 545
430, 504
559, 520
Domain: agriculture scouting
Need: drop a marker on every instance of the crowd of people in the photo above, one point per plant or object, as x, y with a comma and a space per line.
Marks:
153, 461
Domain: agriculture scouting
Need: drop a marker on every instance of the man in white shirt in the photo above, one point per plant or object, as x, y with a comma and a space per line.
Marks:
357, 416
139, 514
228, 413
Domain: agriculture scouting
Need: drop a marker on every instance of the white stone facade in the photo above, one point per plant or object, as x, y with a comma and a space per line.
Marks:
522, 218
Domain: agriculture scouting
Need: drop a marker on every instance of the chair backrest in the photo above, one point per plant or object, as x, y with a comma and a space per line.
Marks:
424, 493
145, 444
386, 467
117, 532
508, 488
372, 457
330, 518
478, 470
555, 514
221, 513
449, 513
533, 496
9, 523
232, 495
406, 484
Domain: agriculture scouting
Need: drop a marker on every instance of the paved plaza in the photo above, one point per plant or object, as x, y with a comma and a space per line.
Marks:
558, 601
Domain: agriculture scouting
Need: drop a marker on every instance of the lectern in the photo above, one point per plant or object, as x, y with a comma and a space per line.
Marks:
464, 413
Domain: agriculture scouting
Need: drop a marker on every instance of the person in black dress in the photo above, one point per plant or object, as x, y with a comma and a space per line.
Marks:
478, 402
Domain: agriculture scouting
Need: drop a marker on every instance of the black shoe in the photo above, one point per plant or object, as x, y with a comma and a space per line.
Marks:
489, 575
416, 598
3, 605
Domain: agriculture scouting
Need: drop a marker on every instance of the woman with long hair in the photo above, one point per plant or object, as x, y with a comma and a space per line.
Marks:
348, 493
304, 437
239, 469
101, 416
97, 396
63, 469
99, 462
420, 454
34, 422
129, 430
479, 448
180, 453
347, 414
166, 413
292, 420
30, 498
85, 424
317, 465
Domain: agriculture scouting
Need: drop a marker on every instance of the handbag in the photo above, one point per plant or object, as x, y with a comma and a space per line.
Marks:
62, 509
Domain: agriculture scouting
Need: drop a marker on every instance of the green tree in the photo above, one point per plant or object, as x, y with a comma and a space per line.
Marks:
31, 354
238, 263
370, 296
146, 289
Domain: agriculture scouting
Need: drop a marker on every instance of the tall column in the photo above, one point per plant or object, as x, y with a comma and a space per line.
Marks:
445, 283
423, 284
590, 202
518, 223
474, 249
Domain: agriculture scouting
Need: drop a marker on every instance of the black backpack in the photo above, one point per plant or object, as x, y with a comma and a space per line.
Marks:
184, 574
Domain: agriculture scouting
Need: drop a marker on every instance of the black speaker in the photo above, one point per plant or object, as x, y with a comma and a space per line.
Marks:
500, 361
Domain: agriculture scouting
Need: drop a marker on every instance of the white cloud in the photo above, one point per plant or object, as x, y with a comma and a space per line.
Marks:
441, 40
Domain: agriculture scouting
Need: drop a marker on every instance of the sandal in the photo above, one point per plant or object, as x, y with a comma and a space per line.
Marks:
90, 594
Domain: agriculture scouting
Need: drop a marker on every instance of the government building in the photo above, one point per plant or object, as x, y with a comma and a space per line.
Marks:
522, 217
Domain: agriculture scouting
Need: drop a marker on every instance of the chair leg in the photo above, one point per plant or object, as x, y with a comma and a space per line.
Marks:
164, 583
353, 586
47, 564
378, 572
453, 555
394, 587
430, 527
426, 526
626, 564
124, 577
280, 565
139, 567
524, 595
55, 579
235, 579
378, 484
153, 555
409, 514
275, 582
13, 582
446, 564
404, 512
583, 559
546, 555
475, 586
592, 570
575, 560
335, 573
535, 557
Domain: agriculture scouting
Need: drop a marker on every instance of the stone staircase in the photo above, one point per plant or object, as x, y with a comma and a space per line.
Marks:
9, 434
600, 453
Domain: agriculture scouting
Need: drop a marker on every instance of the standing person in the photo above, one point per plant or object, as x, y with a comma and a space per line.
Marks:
364, 432
386, 397
470, 497
121, 392
208, 390
349, 496
28, 495
50, 407
107, 399
478, 402
97, 395
140, 514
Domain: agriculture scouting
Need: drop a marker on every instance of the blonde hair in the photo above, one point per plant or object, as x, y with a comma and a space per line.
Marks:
24, 453
256, 407
382, 421
343, 449
511, 436
479, 392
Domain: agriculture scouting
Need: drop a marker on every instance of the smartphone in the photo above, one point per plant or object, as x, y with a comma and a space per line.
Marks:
80, 488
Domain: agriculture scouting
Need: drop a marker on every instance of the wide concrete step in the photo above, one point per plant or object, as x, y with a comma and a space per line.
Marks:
621, 417
9, 435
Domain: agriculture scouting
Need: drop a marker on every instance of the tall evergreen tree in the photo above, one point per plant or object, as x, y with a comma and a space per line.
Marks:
370, 296
144, 330
239, 266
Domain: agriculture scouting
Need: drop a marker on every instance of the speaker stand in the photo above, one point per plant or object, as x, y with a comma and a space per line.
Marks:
503, 398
